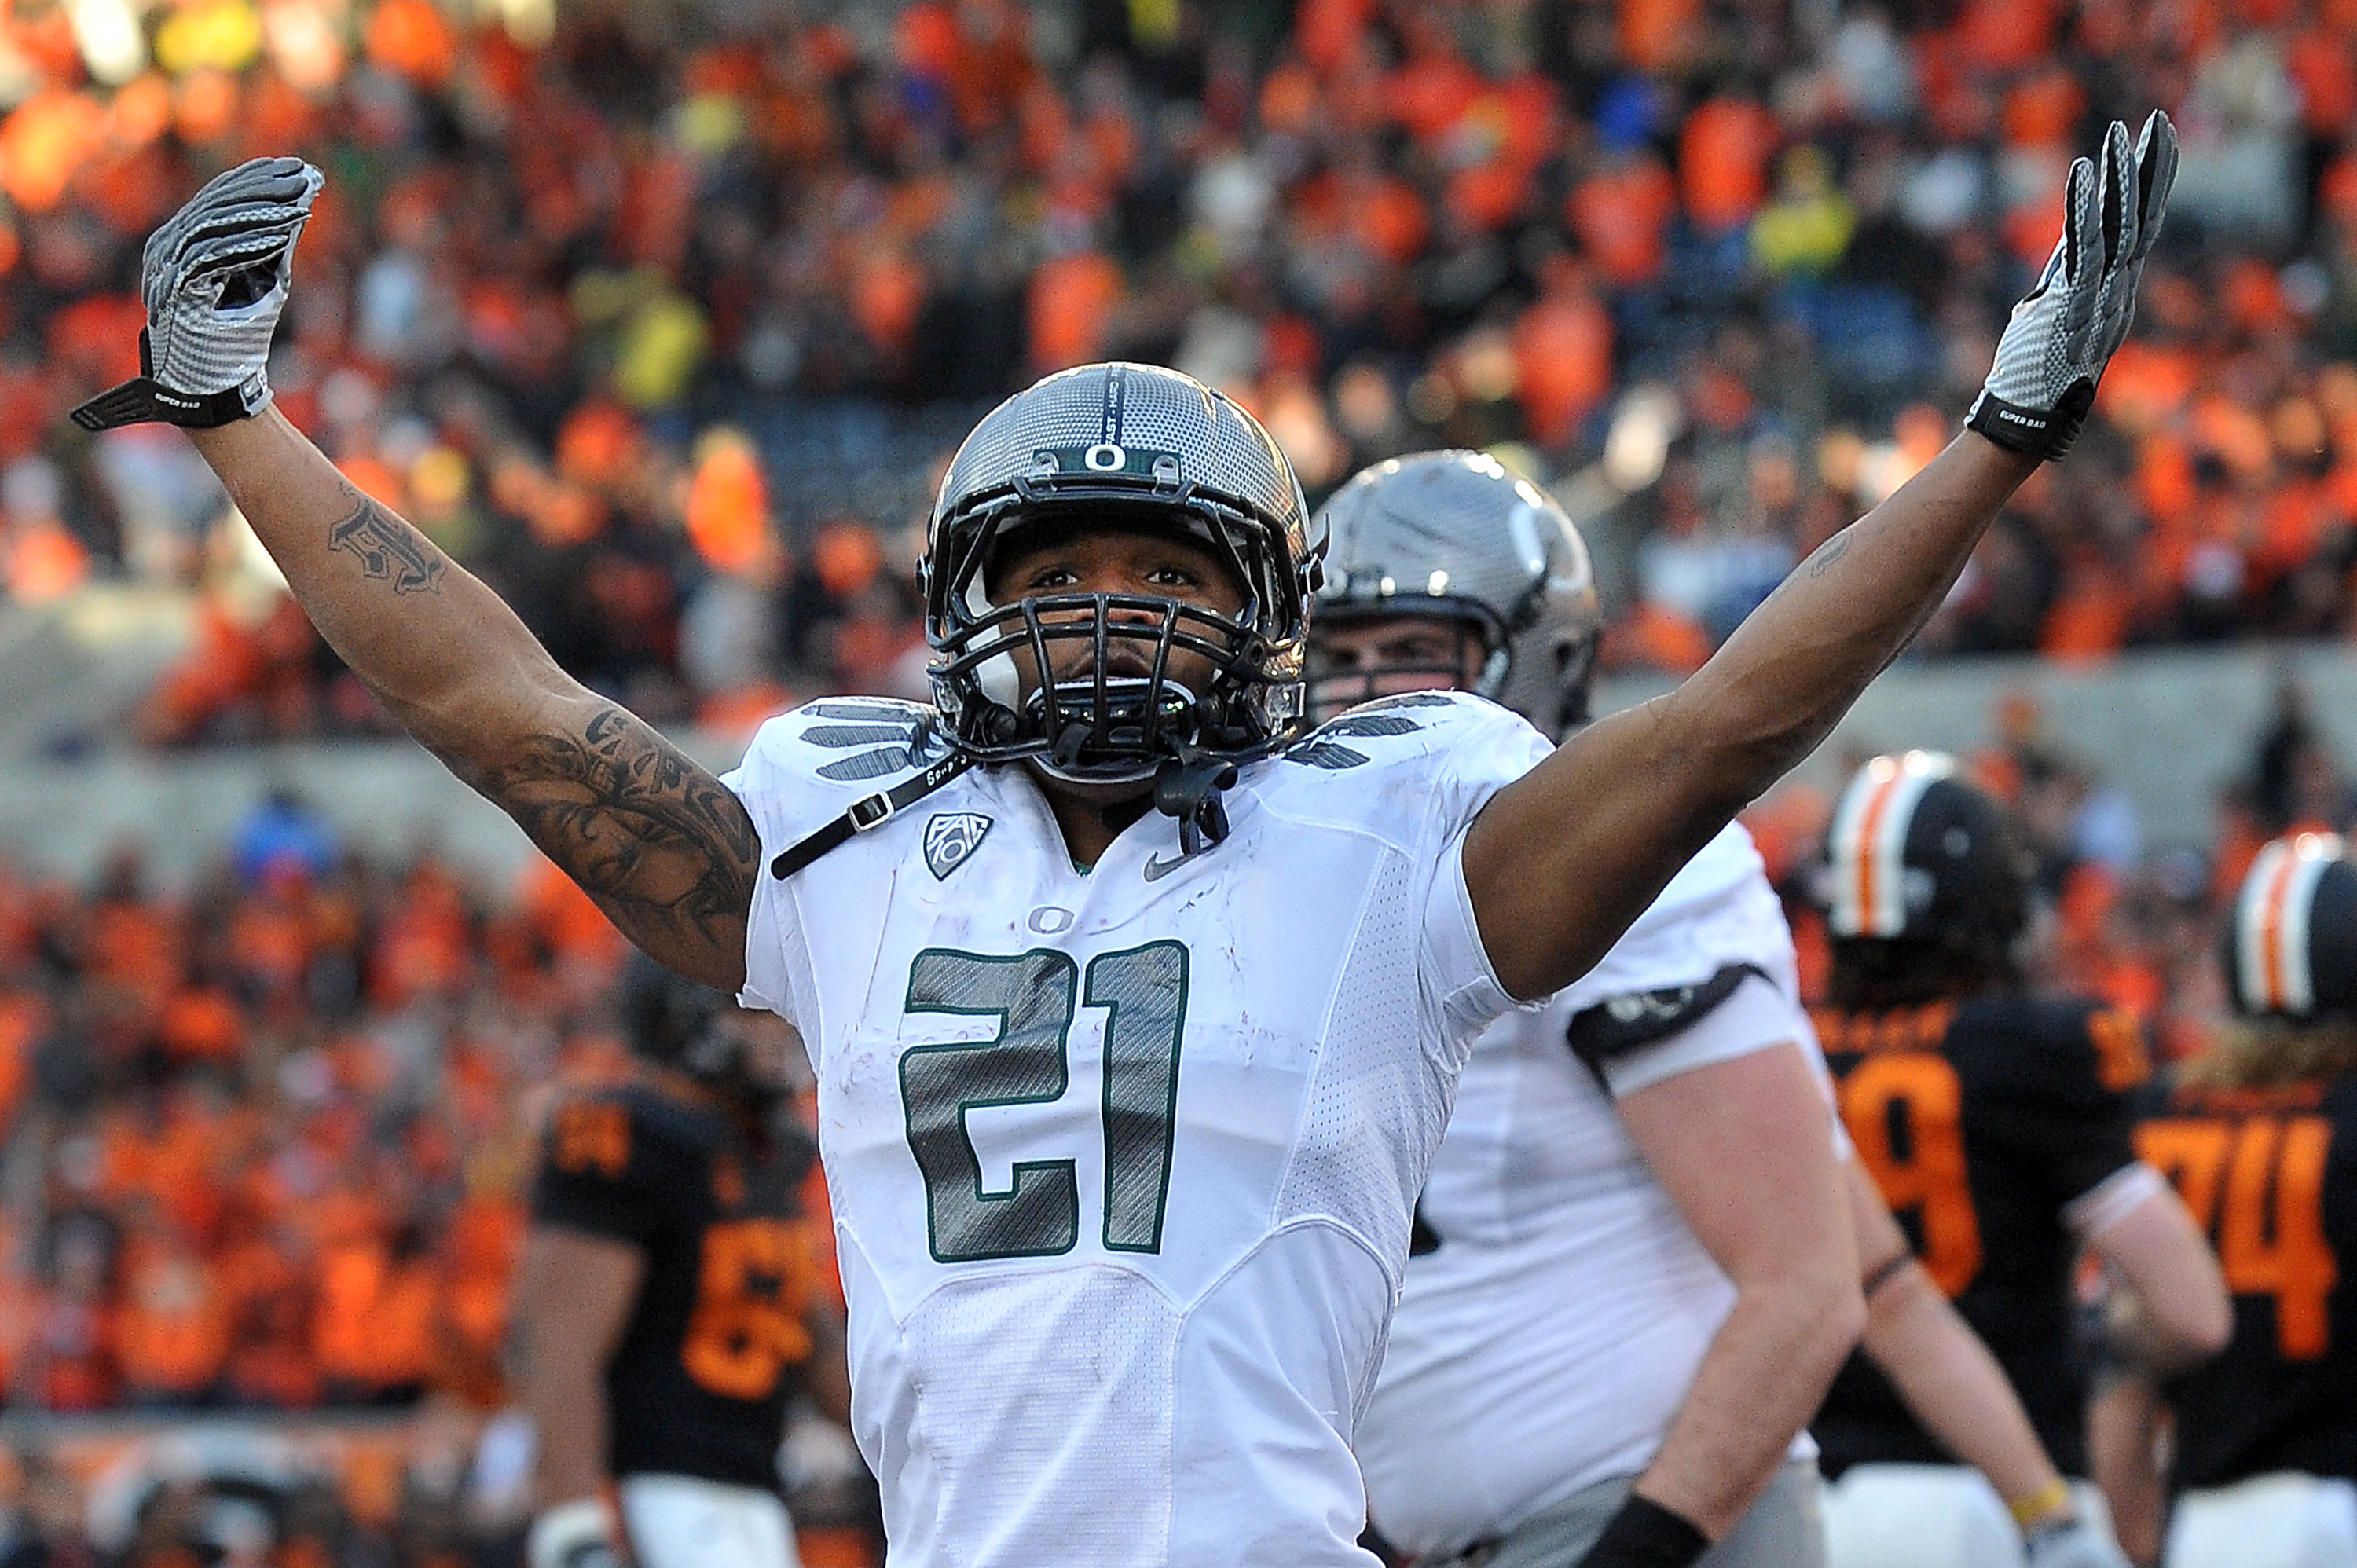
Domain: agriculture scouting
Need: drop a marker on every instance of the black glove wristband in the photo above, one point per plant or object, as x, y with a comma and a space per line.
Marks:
140, 400
1644, 1534
2034, 433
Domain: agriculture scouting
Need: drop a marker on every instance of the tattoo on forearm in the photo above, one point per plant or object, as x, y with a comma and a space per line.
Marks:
663, 846
389, 549
1824, 558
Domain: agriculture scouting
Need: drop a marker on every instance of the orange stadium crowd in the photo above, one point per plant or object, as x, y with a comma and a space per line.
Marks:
281, 1129
662, 327
289, 1116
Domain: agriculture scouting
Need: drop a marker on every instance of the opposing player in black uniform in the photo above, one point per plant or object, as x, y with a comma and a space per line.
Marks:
1998, 1128
2259, 1134
672, 1296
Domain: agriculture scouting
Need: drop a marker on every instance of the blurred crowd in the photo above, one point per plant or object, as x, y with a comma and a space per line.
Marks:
273, 1132
266, 1146
662, 317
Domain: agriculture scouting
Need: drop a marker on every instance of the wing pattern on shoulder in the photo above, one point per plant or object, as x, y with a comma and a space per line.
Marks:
1322, 747
891, 736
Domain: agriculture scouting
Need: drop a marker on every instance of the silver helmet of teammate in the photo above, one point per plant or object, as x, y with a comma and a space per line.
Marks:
1453, 535
1120, 446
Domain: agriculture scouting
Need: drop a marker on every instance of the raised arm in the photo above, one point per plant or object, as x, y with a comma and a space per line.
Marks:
1560, 862
666, 851
662, 846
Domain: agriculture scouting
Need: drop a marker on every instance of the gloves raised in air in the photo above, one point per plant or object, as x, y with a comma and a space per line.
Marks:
2072, 1544
2063, 334
214, 278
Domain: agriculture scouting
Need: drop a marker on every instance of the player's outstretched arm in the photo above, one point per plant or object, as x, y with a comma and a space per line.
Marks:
664, 848
1561, 861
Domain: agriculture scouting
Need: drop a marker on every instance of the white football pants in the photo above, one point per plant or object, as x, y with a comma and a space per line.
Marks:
682, 1521
1929, 1516
2268, 1521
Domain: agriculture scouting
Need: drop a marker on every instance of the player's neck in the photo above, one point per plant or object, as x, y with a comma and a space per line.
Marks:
1092, 816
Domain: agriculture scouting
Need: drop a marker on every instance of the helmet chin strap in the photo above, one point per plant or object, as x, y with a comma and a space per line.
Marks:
1066, 752
1187, 788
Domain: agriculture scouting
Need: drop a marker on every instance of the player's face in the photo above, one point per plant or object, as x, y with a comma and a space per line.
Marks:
1358, 660
1078, 560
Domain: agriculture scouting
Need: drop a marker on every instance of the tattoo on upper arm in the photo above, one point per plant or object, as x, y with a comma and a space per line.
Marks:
388, 548
666, 850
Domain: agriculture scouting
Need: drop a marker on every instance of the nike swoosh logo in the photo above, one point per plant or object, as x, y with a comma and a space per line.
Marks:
1156, 868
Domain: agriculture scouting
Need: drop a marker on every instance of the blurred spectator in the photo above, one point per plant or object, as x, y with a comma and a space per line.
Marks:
282, 834
2300, 787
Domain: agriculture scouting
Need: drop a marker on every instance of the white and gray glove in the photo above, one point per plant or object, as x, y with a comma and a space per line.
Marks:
214, 277
2072, 1544
2064, 333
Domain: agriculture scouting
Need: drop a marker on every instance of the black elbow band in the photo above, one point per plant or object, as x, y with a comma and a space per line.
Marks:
1644, 1534
1883, 1274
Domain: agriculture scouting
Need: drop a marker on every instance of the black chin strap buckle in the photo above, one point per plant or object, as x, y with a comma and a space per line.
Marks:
1069, 742
1188, 788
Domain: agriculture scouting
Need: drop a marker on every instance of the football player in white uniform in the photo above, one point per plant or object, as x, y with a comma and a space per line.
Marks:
1123, 1120
1598, 1301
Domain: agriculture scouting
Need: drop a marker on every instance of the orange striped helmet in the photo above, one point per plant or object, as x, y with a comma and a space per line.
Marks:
1916, 852
2291, 948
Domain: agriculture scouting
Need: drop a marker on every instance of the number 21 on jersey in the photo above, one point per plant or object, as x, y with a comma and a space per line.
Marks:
1033, 995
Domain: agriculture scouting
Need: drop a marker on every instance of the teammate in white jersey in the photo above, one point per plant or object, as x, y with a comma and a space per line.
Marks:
1123, 1122
1601, 1302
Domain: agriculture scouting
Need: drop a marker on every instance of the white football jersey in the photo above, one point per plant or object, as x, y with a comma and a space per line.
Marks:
1545, 1342
1123, 1162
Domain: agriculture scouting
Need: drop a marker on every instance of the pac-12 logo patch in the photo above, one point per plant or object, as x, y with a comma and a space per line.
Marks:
950, 837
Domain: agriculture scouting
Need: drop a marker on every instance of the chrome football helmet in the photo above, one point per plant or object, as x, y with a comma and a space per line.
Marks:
1454, 536
1125, 447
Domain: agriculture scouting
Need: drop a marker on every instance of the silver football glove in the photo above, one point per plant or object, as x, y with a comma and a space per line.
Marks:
2064, 333
214, 278
2072, 1544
